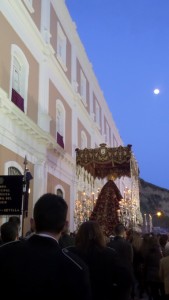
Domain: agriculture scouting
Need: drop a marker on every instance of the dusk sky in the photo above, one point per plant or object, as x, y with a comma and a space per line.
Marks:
127, 42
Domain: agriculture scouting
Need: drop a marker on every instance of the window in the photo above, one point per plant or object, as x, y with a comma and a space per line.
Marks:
13, 171
45, 20
97, 114
12, 168
16, 75
60, 123
83, 87
115, 144
28, 4
61, 46
83, 140
59, 190
19, 78
107, 134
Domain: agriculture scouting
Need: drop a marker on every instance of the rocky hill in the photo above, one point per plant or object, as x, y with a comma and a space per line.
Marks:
152, 199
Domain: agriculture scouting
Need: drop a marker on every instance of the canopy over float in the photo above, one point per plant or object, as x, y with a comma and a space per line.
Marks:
110, 207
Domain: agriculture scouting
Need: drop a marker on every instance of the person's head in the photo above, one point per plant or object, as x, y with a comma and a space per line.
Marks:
50, 213
120, 230
89, 235
9, 232
15, 220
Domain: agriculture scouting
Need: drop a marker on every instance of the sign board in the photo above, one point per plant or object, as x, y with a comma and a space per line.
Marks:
11, 193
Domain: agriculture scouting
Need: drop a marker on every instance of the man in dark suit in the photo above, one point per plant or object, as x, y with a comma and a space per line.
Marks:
121, 245
37, 267
124, 250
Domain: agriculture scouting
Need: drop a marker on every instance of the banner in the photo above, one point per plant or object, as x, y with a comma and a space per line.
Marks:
11, 193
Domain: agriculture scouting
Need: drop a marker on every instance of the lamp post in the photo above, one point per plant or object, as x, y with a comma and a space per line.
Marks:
26, 179
145, 223
148, 220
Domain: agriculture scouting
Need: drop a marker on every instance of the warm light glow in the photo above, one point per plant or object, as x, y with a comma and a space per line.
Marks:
83, 207
159, 213
127, 209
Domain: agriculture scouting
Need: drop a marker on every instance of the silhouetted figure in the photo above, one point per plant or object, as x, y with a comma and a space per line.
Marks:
37, 267
164, 273
9, 232
121, 245
153, 254
16, 220
163, 239
124, 249
110, 279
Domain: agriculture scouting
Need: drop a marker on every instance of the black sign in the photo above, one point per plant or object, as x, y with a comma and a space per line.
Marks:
11, 192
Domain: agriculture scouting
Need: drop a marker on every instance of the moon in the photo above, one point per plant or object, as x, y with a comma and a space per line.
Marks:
156, 91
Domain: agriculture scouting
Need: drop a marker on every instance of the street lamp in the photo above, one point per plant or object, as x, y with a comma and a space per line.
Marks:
159, 213
26, 182
148, 220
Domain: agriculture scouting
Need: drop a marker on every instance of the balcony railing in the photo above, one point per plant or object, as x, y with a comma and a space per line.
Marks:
60, 140
18, 100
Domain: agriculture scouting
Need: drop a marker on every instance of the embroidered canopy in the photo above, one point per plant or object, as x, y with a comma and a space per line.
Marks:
105, 161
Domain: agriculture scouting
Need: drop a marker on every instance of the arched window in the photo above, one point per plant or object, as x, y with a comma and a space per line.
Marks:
19, 78
13, 168
83, 140
107, 134
13, 171
83, 87
97, 114
60, 123
61, 47
59, 190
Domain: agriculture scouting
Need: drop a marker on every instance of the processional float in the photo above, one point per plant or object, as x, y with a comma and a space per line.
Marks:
98, 197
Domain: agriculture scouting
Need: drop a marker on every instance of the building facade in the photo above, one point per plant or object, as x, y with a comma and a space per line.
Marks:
50, 99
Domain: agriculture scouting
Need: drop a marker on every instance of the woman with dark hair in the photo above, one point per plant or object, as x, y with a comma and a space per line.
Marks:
109, 278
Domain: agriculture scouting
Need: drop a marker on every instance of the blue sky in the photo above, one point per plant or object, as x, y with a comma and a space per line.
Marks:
127, 42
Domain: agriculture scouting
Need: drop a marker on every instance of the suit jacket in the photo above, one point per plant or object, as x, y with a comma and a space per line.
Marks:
123, 248
37, 268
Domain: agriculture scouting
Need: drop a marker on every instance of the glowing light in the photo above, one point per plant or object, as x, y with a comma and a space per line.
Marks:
159, 213
156, 91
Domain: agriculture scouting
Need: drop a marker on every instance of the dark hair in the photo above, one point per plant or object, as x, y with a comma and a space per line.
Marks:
89, 235
15, 219
50, 213
9, 232
119, 229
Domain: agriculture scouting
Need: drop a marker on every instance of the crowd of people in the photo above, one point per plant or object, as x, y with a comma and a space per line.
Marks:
49, 261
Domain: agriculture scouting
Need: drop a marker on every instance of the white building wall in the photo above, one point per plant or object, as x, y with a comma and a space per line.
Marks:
21, 135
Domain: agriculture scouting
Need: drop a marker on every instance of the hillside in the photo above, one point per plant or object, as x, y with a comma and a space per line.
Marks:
152, 199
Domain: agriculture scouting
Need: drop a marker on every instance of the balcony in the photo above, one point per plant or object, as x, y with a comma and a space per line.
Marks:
60, 140
18, 100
